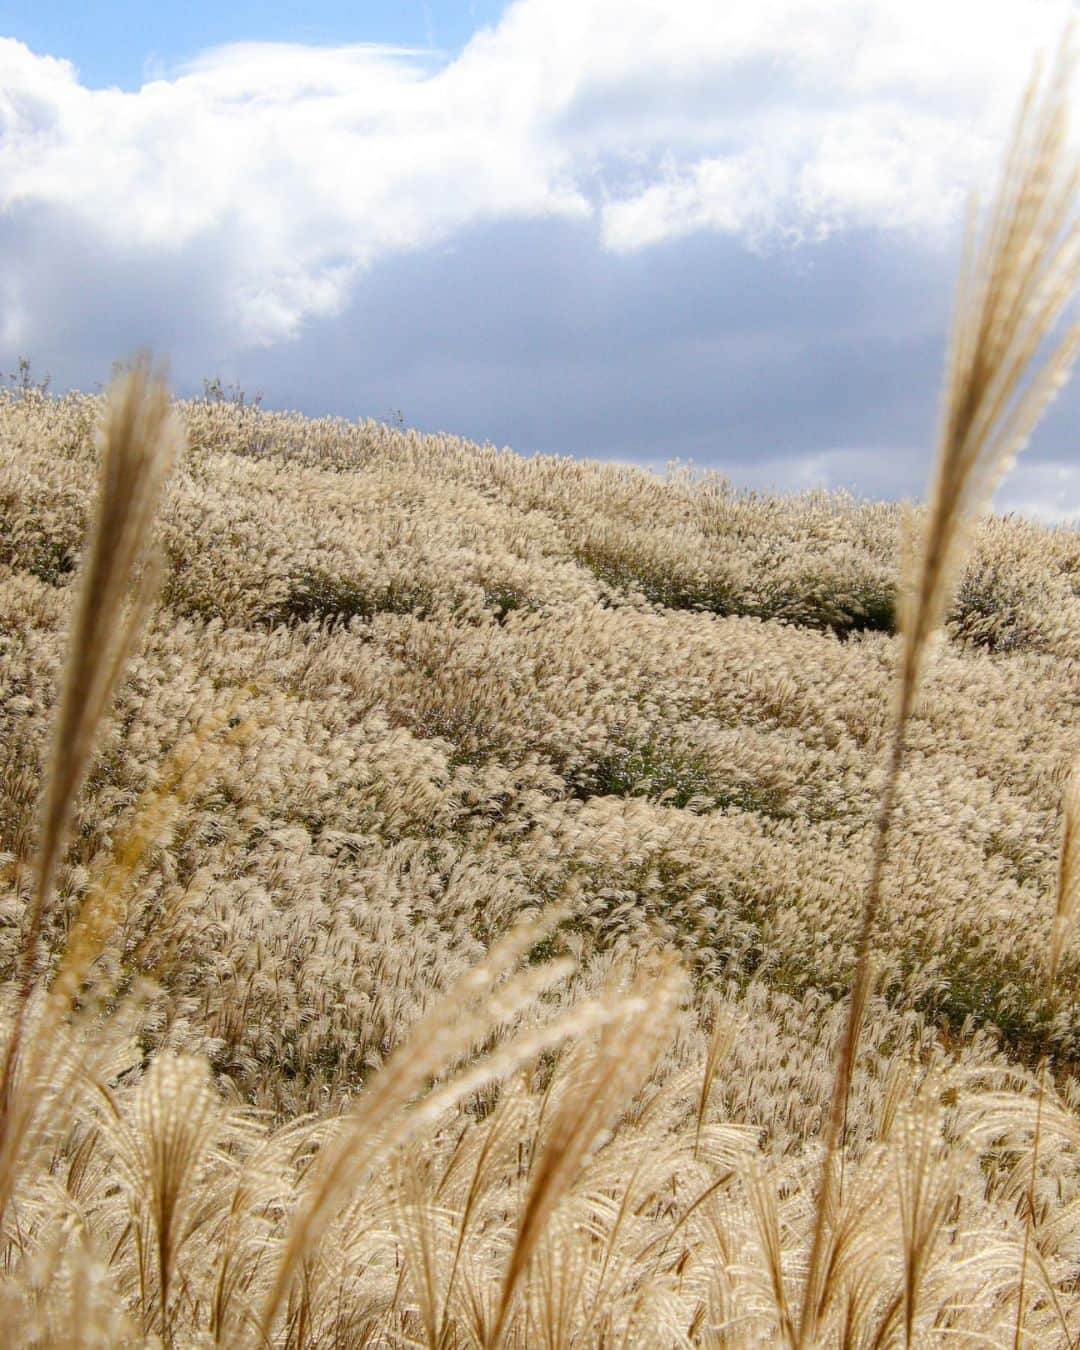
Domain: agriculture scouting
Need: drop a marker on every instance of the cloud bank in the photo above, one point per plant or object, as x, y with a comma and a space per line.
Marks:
252, 207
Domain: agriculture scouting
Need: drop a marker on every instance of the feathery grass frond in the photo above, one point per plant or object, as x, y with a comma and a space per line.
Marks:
140, 437
599, 1083
1068, 888
177, 1118
1068, 880
927, 1189
1011, 293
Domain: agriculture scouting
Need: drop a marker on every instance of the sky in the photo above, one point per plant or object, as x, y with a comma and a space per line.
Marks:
718, 234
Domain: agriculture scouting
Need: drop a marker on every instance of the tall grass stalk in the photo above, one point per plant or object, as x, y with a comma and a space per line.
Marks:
139, 439
1013, 288
1068, 896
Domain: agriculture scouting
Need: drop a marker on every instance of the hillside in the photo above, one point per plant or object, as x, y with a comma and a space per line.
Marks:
435, 687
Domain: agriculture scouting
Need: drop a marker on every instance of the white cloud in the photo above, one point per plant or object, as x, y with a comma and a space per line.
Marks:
738, 194
1043, 490
305, 164
887, 474
784, 120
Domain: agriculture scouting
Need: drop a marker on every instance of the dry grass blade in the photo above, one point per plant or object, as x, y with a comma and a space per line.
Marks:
451, 1030
720, 1043
502, 1132
383, 1122
187, 770
598, 1085
177, 1119
1068, 888
762, 1199
1012, 292
1064, 916
927, 1189
139, 439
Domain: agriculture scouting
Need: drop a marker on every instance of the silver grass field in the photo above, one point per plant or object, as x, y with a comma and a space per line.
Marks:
458, 901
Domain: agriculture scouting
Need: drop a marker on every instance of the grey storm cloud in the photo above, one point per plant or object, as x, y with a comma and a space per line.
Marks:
89, 300
533, 335
782, 370
725, 235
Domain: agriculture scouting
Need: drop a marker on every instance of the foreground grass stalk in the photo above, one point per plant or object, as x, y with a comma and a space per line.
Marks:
1012, 291
1068, 893
830, 1191
139, 439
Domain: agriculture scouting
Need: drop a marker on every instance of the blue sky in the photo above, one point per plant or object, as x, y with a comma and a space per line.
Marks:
124, 44
633, 230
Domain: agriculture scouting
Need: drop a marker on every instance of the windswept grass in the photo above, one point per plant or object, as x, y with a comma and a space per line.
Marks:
494, 903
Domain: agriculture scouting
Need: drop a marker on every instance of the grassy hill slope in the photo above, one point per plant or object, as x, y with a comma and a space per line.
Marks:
436, 687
